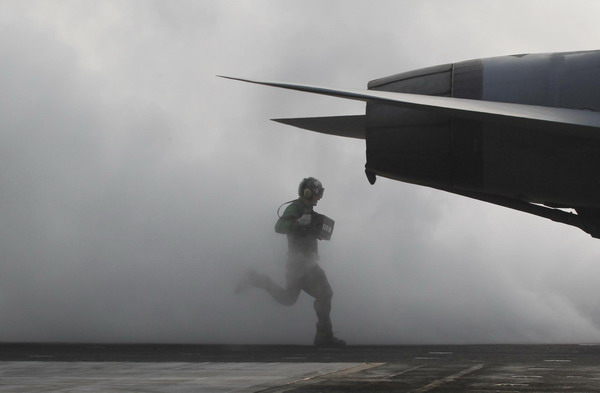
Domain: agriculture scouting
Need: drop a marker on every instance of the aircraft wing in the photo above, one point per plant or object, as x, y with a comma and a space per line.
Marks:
348, 126
574, 122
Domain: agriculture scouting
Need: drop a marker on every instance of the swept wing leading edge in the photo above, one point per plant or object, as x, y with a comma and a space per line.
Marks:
583, 123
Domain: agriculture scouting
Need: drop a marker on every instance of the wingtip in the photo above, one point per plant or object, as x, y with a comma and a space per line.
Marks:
235, 79
225, 77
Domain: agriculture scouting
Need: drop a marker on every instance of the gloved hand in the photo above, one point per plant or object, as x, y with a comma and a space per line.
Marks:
305, 219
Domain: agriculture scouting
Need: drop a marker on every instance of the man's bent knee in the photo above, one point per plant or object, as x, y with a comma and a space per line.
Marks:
288, 301
285, 297
325, 295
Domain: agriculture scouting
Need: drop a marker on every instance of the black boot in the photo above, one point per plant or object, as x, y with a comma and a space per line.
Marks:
325, 337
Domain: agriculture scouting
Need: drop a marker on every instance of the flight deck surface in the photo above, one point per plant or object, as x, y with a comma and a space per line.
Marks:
297, 369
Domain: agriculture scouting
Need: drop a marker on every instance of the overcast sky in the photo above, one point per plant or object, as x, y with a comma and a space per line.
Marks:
136, 187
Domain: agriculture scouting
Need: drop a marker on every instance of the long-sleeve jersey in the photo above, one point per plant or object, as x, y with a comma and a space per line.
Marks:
301, 238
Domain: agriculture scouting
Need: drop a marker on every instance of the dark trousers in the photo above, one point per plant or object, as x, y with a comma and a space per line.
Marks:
304, 274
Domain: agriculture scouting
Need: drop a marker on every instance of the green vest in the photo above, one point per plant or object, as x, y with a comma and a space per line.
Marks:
301, 238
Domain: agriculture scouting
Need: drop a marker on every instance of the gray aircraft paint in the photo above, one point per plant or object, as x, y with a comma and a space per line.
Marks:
532, 164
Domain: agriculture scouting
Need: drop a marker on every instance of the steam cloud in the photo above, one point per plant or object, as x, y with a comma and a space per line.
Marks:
136, 187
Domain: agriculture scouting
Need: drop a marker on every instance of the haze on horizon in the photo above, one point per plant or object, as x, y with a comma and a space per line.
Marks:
136, 187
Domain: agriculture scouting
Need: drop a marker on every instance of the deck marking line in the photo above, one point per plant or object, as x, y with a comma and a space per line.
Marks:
450, 378
404, 372
311, 379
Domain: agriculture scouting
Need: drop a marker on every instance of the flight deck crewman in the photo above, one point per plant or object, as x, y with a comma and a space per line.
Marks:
302, 270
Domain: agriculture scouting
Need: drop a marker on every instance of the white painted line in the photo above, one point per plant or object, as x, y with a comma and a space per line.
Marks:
313, 379
512, 385
403, 372
447, 379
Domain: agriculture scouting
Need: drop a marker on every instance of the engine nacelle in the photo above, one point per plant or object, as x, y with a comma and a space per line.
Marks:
473, 156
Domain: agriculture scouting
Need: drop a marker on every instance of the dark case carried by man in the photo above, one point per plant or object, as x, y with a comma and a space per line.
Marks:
322, 225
